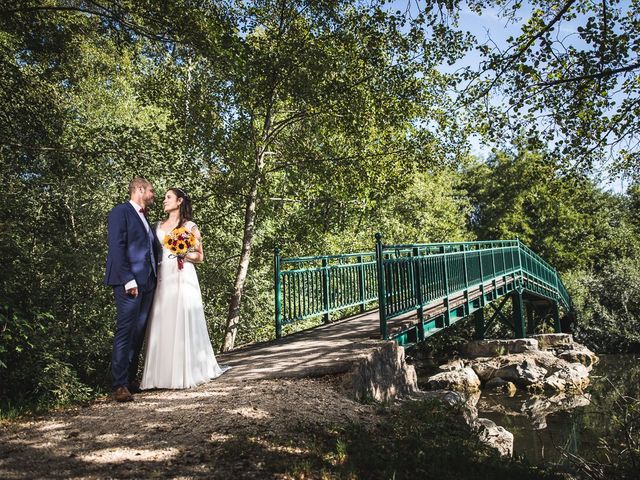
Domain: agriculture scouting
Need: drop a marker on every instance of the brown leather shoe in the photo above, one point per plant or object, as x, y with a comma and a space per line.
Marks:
122, 394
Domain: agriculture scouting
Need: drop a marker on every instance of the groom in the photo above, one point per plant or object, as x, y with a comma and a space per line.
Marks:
131, 271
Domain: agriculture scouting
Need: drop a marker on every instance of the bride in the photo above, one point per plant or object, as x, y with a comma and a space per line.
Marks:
178, 350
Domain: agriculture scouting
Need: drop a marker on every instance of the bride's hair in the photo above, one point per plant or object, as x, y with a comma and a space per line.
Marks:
185, 206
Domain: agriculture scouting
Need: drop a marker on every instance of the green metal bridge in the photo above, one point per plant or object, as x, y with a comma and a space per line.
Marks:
421, 289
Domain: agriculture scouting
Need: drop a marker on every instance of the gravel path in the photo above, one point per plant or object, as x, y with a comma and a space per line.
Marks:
253, 422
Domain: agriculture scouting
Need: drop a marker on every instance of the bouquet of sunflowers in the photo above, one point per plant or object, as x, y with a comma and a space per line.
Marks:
180, 242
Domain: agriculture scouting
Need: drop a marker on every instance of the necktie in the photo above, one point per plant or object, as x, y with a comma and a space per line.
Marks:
144, 211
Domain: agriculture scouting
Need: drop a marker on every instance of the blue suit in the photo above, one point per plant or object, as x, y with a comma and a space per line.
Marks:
133, 253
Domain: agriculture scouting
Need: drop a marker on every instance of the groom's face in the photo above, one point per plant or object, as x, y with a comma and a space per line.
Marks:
148, 196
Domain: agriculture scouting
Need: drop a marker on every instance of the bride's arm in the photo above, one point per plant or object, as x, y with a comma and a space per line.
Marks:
196, 256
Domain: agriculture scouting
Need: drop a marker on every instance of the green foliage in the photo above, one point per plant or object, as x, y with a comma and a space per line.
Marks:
608, 302
567, 219
570, 77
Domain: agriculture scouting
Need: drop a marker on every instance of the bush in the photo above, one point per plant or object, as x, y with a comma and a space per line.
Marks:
608, 306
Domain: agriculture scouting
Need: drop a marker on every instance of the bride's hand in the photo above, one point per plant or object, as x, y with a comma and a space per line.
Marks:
194, 257
197, 256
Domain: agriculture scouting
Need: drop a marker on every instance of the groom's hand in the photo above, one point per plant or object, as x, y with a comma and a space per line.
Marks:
133, 292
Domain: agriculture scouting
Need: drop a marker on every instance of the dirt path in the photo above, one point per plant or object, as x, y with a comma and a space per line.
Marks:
224, 429
249, 423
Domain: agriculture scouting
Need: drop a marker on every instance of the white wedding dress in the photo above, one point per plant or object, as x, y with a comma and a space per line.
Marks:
178, 351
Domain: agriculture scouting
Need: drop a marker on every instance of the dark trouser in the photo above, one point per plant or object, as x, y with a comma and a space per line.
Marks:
131, 326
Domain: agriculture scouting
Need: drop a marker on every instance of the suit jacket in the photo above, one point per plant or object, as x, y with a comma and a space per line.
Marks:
130, 246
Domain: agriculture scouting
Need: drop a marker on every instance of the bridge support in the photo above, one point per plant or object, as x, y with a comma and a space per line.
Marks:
478, 317
531, 320
555, 312
518, 314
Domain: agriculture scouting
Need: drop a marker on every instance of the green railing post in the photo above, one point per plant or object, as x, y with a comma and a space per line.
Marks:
447, 317
325, 290
520, 260
361, 282
494, 293
482, 297
382, 295
466, 279
417, 284
278, 299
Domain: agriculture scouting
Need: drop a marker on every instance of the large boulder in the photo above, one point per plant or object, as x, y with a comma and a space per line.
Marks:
463, 403
579, 354
486, 368
461, 380
563, 346
496, 348
381, 374
522, 374
572, 376
452, 365
564, 367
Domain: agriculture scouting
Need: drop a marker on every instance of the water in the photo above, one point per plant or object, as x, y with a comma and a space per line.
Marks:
545, 426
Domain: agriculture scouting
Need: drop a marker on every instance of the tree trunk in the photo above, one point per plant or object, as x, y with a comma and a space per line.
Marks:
233, 317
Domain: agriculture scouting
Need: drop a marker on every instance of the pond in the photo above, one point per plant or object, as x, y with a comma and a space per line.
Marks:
544, 426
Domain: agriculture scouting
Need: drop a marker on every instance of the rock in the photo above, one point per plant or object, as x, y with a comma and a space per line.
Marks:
579, 354
494, 436
488, 432
554, 382
463, 380
486, 368
553, 340
502, 385
452, 365
382, 374
464, 403
495, 348
574, 375
535, 388
522, 374
448, 397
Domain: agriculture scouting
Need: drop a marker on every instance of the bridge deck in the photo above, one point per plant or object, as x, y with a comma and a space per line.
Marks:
324, 350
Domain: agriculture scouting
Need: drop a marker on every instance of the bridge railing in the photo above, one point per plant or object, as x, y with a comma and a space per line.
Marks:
402, 278
421, 273
308, 287
538, 276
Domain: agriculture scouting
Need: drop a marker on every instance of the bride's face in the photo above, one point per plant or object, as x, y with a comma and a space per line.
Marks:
171, 202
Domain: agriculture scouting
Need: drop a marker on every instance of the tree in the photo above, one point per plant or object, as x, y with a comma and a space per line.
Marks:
247, 106
324, 86
570, 78
566, 218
